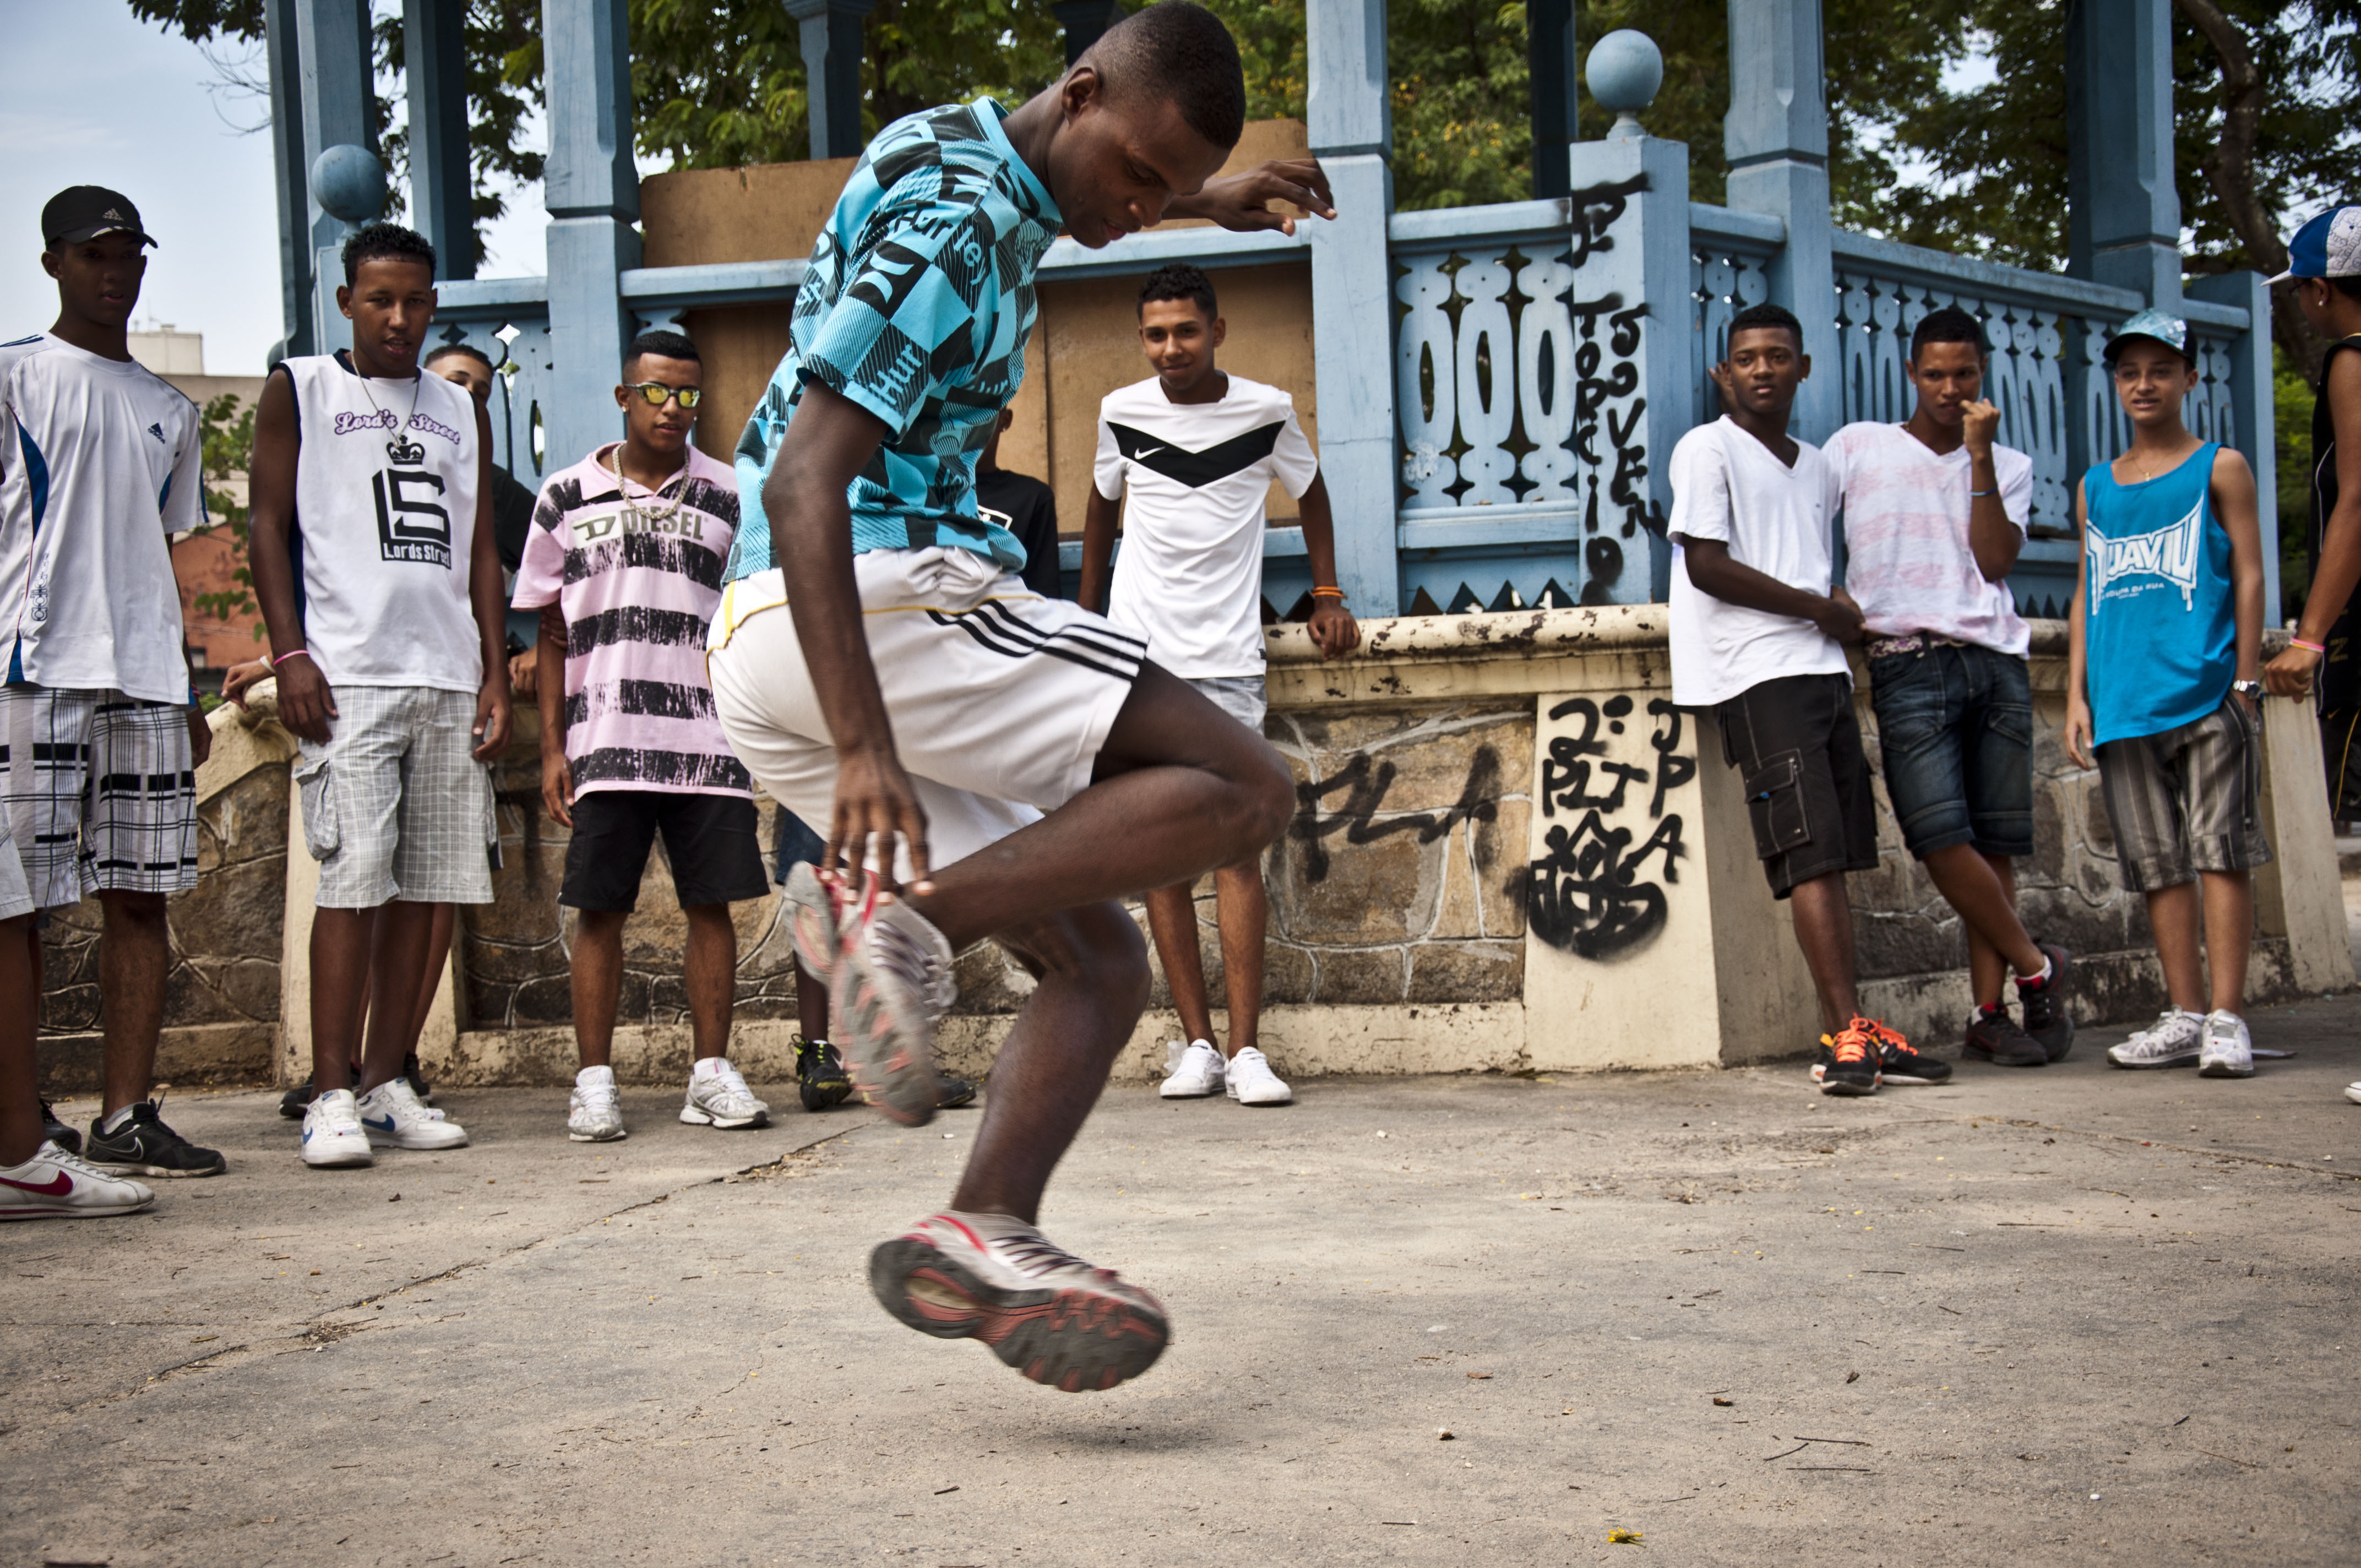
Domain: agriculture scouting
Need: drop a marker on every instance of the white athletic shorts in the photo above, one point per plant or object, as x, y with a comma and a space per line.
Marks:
1000, 699
100, 792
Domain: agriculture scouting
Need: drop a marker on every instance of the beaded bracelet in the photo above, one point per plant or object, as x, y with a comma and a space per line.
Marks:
288, 654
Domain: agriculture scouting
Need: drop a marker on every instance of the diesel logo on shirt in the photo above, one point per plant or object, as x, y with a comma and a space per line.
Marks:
410, 523
634, 520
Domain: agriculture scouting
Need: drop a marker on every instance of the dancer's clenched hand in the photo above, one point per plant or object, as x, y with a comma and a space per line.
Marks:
875, 806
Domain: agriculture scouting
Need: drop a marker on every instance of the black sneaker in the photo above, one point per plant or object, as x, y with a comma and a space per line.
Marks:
418, 1084
298, 1100
143, 1146
1899, 1061
2047, 1017
58, 1132
821, 1077
1994, 1037
1847, 1061
953, 1091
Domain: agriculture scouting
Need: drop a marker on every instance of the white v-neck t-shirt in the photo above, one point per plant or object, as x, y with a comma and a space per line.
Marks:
1729, 486
1194, 478
101, 460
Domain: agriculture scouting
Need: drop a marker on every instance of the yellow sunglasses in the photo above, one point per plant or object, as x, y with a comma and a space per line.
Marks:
658, 394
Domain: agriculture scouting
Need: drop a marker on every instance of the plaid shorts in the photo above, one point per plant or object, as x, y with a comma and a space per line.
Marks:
101, 790
395, 805
2188, 800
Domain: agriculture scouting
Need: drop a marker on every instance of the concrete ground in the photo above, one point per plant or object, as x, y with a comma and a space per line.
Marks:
2066, 1316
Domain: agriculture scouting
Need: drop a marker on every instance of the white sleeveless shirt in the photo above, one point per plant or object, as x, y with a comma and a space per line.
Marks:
384, 522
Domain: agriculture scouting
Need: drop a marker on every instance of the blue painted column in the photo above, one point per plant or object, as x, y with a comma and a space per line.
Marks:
2253, 411
1085, 21
592, 189
287, 167
2123, 212
442, 186
832, 47
332, 48
1549, 45
1776, 138
1350, 113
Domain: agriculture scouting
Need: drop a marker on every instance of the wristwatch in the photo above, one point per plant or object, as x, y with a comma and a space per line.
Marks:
2251, 690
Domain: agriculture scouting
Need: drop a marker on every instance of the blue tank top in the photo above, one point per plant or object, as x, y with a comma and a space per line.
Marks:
2159, 629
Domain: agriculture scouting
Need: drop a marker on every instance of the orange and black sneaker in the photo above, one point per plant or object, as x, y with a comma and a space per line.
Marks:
1898, 1062
1850, 1062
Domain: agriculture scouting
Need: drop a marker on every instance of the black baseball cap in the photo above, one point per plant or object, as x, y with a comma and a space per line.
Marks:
81, 212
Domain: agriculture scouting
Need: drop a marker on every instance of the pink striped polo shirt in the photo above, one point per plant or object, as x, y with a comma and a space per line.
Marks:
1908, 558
638, 575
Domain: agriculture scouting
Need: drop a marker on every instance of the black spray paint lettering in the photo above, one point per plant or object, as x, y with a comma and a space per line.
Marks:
1592, 210
1479, 801
1587, 894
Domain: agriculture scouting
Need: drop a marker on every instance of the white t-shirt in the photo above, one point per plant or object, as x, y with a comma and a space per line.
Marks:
1908, 558
100, 460
1188, 577
385, 524
1727, 485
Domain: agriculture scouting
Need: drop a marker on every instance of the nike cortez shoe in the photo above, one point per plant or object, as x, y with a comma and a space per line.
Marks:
2043, 1001
893, 981
1848, 1063
821, 1077
2227, 1050
394, 1118
2173, 1040
1898, 1061
594, 1113
1250, 1080
1994, 1037
58, 1132
56, 1185
1041, 1309
1195, 1071
333, 1137
141, 1144
717, 1097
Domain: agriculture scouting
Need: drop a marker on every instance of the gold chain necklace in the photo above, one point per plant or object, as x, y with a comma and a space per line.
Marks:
624, 481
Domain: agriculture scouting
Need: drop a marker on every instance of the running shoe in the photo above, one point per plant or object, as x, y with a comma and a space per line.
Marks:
1250, 1080
1194, 1071
720, 1099
1041, 1309
2047, 1017
333, 1136
821, 1079
2227, 1050
1898, 1061
418, 1084
392, 1117
1994, 1037
298, 1100
2352, 1093
57, 1132
57, 1184
952, 1091
1847, 1061
2173, 1040
144, 1146
594, 1112
893, 981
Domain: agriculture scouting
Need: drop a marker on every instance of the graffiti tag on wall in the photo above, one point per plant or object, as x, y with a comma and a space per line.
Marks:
1364, 785
1598, 892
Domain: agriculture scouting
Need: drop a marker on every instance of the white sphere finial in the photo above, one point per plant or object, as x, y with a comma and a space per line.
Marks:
1623, 72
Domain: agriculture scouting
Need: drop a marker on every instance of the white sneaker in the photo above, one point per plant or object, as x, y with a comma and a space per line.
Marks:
331, 1132
1252, 1083
2352, 1093
2171, 1041
55, 1185
595, 1113
1196, 1070
2228, 1050
720, 1099
395, 1118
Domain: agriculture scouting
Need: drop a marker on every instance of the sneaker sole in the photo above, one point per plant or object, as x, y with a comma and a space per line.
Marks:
1264, 1102
1074, 1341
396, 1141
2225, 1069
1916, 1080
130, 1167
697, 1118
78, 1212
1191, 1093
342, 1162
1846, 1088
889, 1056
2188, 1061
617, 1137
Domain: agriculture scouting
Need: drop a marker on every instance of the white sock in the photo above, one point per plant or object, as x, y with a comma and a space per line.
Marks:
595, 1075
113, 1124
2048, 966
708, 1066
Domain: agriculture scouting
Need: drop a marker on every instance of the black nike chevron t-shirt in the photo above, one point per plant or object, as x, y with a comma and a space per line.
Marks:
1194, 478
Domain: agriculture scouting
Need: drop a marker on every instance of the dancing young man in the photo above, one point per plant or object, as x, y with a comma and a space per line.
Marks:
883, 671
389, 652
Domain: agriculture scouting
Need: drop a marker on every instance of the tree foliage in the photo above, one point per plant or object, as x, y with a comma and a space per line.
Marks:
225, 426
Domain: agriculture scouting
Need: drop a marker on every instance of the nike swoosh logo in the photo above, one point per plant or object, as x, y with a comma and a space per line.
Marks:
1145, 453
56, 1186
384, 1126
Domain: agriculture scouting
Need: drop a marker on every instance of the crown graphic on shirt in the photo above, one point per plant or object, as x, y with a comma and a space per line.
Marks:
2169, 553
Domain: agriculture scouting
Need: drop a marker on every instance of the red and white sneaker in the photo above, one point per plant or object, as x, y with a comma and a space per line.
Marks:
55, 1185
1043, 1310
889, 980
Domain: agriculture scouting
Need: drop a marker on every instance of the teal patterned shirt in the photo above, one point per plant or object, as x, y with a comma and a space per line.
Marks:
917, 307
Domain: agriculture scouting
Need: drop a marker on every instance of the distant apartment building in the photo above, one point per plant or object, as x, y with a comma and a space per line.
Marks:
205, 562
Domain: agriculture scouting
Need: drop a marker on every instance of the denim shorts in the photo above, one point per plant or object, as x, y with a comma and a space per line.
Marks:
1955, 725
